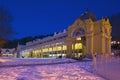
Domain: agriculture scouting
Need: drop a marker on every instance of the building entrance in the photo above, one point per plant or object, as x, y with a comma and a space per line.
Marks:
78, 47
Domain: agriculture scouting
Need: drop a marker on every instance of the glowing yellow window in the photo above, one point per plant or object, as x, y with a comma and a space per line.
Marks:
78, 46
50, 49
54, 49
59, 48
64, 47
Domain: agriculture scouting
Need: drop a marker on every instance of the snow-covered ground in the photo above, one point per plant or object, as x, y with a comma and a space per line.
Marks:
65, 71
6, 62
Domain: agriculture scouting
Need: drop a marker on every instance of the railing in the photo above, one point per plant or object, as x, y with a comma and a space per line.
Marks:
107, 66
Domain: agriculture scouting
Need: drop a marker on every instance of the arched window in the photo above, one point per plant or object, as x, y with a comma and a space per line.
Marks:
78, 32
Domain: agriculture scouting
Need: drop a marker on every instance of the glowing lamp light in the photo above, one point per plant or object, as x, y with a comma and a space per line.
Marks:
112, 42
79, 38
118, 42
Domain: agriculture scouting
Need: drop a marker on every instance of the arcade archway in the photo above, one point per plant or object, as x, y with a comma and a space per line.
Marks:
78, 42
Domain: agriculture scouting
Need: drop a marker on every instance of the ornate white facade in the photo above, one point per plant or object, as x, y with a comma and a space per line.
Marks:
85, 36
52, 46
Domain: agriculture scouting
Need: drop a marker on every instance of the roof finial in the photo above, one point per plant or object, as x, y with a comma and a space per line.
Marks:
87, 10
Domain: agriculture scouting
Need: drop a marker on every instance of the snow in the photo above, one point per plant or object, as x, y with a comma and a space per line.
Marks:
30, 61
87, 59
4, 60
68, 70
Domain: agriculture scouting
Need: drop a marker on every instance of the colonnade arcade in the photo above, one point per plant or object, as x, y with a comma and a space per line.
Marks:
49, 50
78, 40
57, 49
94, 36
84, 37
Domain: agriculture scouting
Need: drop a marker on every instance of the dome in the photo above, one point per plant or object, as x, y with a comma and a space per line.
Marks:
88, 15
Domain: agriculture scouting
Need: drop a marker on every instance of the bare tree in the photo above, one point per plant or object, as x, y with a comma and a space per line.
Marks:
5, 25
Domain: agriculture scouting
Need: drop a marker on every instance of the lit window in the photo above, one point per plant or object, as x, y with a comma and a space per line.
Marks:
59, 48
50, 49
64, 47
78, 46
54, 48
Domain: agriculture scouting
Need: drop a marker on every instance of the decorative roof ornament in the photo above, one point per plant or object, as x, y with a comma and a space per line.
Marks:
64, 31
105, 17
55, 33
59, 33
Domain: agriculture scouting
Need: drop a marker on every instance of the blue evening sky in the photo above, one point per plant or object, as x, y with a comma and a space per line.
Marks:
40, 17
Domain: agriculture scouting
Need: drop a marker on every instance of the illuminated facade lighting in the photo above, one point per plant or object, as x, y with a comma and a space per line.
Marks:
81, 37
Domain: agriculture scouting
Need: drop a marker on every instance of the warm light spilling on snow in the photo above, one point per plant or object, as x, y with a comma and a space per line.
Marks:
72, 71
2, 60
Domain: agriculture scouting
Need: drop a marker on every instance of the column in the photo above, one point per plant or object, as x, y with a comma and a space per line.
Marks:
89, 44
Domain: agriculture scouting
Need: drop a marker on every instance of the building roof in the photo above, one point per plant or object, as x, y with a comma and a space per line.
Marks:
88, 15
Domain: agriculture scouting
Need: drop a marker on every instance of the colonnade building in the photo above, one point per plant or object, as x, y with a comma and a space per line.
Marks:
85, 36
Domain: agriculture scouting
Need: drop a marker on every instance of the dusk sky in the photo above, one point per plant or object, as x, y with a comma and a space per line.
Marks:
40, 17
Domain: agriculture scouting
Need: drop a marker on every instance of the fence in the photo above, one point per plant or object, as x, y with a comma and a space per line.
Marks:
107, 66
